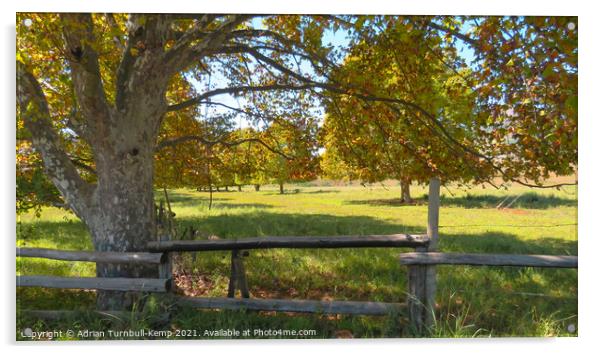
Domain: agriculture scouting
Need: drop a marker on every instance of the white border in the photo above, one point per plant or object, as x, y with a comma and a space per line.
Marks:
589, 174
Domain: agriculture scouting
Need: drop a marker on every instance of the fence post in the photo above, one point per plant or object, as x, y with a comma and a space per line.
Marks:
416, 295
238, 277
165, 270
163, 234
432, 231
422, 279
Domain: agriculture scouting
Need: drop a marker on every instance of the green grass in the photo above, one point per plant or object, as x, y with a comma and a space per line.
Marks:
472, 301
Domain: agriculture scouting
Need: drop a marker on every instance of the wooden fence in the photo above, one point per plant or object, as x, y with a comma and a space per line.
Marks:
422, 284
119, 284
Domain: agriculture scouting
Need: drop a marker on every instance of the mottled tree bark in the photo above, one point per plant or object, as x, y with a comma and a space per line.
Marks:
126, 221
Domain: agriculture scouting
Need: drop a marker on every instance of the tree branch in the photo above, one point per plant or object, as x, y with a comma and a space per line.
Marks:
141, 62
186, 51
83, 60
234, 90
33, 109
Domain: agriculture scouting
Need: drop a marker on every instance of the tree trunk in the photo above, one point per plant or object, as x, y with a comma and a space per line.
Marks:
405, 192
118, 209
281, 188
239, 188
257, 186
124, 219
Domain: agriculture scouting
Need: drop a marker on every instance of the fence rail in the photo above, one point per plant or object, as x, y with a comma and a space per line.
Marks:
91, 256
399, 240
307, 306
487, 259
119, 284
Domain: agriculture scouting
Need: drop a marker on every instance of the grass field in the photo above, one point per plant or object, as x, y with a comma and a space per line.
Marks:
471, 301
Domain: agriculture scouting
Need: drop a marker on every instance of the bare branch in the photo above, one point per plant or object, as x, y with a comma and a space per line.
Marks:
81, 163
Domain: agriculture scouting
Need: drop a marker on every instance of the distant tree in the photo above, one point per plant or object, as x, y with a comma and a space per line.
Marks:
332, 166
299, 159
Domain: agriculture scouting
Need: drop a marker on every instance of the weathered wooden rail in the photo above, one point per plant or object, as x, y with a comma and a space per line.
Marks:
97, 257
488, 259
162, 284
119, 284
399, 240
306, 306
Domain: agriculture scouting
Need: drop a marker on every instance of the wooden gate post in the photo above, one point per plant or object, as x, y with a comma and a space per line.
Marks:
422, 279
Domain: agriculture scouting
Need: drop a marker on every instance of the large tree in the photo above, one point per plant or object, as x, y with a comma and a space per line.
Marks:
103, 80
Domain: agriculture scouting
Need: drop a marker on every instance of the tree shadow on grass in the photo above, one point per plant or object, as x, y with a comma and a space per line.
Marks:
239, 205
530, 200
266, 224
35, 298
393, 202
322, 191
497, 295
487, 242
501, 242
186, 200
